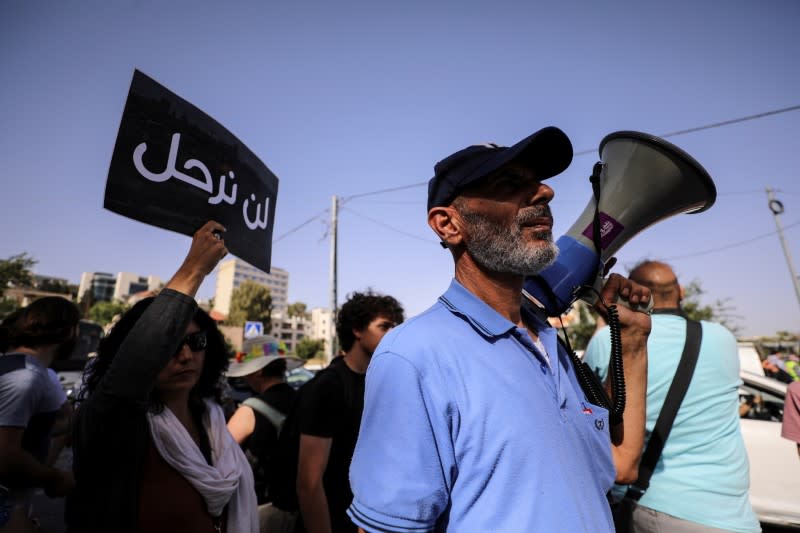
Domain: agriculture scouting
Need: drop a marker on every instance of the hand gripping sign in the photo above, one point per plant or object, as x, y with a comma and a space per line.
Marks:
175, 167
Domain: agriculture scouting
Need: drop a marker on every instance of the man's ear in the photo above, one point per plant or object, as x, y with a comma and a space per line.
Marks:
447, 224
681, 293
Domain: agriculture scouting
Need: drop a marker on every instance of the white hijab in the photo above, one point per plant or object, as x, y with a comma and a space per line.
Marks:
228, 481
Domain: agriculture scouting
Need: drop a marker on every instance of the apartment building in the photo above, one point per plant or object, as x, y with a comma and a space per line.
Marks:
106, 287
233, 272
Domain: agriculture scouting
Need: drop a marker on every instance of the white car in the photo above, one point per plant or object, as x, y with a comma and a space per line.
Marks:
774, 462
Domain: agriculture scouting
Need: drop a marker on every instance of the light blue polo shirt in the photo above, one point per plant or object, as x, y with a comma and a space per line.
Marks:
467, 428
703, 473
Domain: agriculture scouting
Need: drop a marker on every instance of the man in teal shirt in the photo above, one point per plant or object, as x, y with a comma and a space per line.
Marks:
701, 480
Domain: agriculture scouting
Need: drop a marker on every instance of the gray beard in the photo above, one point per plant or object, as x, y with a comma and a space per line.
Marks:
504, 249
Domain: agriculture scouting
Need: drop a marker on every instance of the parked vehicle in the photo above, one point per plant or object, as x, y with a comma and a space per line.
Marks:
749, 359
774, 463
70, 371
238, 391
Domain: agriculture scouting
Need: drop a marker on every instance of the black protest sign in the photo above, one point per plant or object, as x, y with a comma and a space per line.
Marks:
175, 167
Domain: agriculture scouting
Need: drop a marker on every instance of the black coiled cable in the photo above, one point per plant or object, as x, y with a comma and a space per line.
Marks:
615, 368
592, 387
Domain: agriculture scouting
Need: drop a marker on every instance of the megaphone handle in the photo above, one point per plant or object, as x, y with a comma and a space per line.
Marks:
646, 309
591, 296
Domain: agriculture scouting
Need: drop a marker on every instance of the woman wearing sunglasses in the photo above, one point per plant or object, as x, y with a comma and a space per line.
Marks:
152, 451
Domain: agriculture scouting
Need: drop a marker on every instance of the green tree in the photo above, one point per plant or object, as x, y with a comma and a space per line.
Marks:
103, 312
57, 286
719, 311
309, 348
297, 309
16, 271
786, 336
581, 331
7, 306
251, 301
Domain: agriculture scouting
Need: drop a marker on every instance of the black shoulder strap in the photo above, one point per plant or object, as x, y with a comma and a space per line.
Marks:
675, 395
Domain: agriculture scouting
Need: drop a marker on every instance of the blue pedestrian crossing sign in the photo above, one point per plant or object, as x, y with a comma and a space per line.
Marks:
253, 329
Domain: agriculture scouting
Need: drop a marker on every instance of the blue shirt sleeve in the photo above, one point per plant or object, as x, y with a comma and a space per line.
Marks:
404, 457
56, 397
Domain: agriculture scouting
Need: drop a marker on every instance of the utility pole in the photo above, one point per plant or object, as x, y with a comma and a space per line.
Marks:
334, 299
777, 210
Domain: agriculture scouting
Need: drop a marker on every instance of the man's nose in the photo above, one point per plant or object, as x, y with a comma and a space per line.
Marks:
542, 194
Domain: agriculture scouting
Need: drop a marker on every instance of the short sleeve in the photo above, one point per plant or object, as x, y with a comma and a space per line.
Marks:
791, 413
404, 456
598, 352
55, 397
20, 393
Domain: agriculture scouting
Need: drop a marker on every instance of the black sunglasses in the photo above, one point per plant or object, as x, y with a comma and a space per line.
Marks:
195, 341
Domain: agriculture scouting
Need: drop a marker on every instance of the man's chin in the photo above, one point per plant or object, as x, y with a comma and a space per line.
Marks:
545, 257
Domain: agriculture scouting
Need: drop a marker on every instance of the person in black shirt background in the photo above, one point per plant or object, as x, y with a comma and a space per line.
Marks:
329, 413
257, 421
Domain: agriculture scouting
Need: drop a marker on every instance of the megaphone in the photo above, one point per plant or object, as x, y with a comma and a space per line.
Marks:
640, 179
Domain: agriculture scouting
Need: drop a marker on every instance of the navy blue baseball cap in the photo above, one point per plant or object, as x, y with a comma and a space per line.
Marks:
548, 152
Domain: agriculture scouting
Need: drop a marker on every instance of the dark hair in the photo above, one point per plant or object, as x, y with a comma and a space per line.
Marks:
214, 365
48, 320
275, 369
5, 329
362, 308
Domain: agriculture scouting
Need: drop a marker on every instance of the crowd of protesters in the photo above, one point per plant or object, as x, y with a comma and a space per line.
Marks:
152, 449
472, 416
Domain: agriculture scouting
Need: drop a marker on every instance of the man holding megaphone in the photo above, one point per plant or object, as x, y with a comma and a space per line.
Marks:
474, 419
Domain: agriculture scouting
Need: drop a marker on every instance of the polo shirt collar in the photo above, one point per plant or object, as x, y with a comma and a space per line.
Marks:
478, 313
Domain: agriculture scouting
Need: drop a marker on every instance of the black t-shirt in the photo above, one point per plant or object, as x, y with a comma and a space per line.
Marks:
264, 439
330, 406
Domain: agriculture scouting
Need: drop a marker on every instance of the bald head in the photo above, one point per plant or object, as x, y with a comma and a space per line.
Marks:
662, 282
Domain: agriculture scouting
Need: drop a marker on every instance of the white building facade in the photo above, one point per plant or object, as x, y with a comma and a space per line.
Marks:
105, 287
233, 272
290, 330
322, 327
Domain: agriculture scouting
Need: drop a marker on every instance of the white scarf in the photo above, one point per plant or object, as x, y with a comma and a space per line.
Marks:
228, 481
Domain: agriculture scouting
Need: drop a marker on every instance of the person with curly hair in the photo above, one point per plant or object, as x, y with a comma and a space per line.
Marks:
152, 451
329, 413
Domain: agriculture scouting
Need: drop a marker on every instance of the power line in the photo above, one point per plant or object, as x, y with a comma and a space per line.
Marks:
732, 121
755, 191
383, 191
421, 201
309, 221
387, 226
593, 150
715, 125
582, 152
732, 245
734, 193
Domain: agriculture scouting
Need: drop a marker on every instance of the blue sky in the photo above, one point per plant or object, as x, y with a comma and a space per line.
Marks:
345, 98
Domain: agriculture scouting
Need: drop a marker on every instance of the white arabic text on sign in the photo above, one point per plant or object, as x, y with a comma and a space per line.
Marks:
207, 185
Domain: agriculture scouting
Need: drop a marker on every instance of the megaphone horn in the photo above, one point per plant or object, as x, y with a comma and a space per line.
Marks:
641, 179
